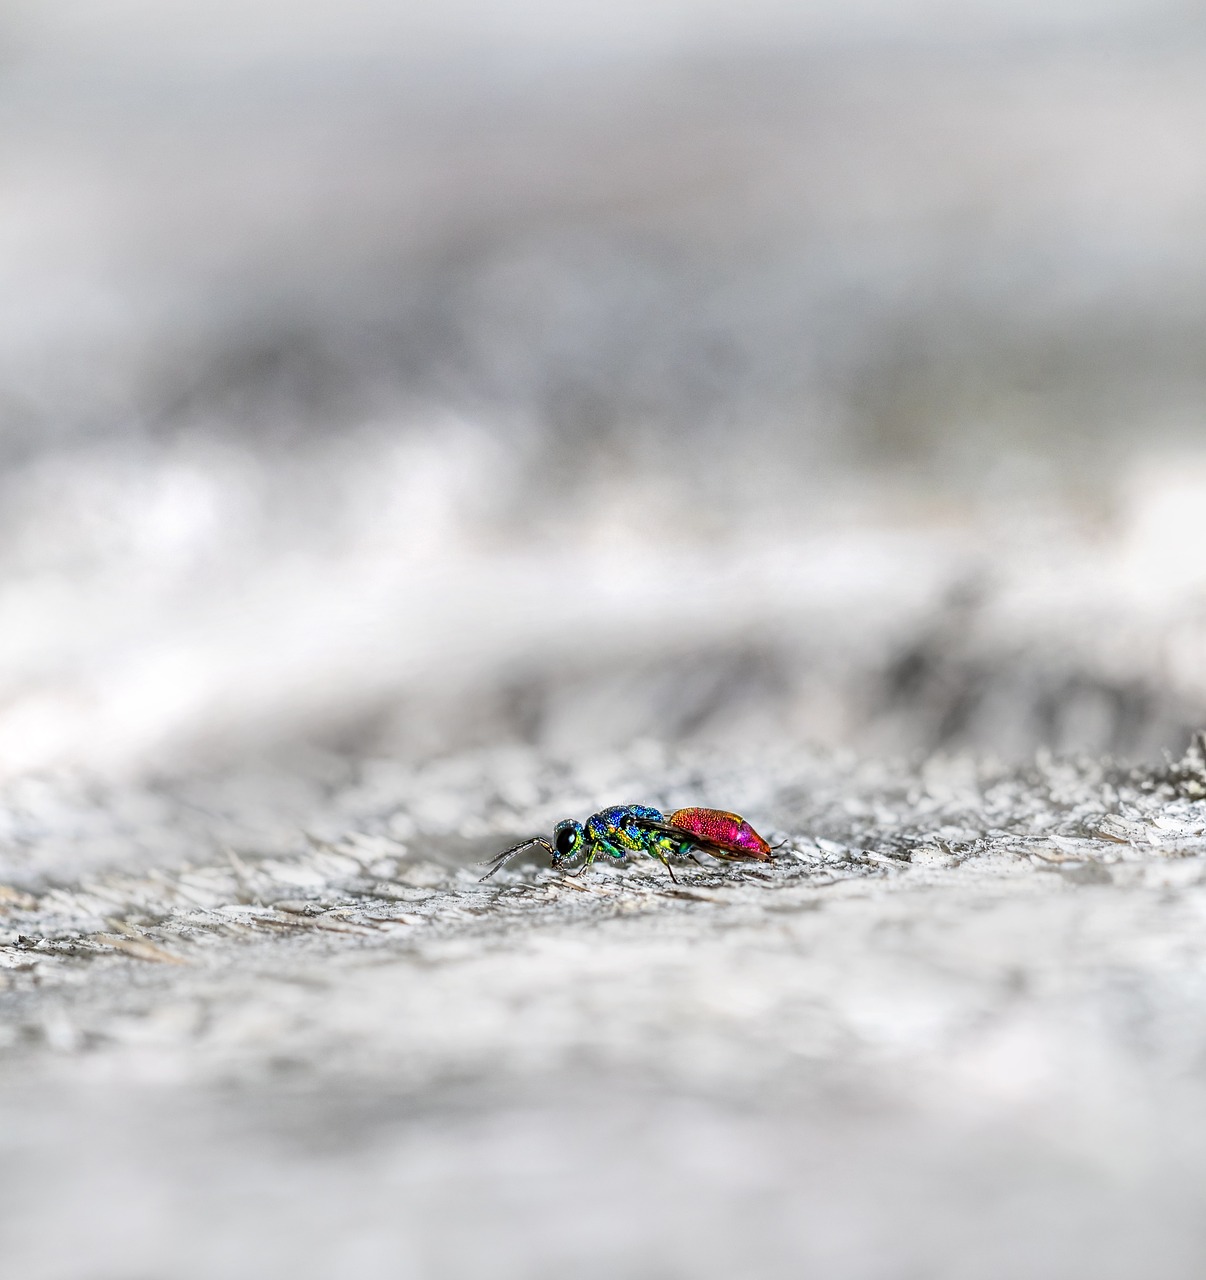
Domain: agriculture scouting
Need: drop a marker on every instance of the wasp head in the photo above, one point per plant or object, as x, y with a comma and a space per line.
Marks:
567, 840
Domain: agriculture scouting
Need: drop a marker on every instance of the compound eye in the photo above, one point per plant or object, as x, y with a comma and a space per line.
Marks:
565, 840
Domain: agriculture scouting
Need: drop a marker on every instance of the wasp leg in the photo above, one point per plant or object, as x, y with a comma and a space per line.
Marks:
602, 846
659, 851
664, 846
685, 849
594, 848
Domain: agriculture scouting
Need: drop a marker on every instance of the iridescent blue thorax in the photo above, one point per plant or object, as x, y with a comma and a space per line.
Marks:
620, 826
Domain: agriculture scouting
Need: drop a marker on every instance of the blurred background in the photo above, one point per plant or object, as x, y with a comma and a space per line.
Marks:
393, 379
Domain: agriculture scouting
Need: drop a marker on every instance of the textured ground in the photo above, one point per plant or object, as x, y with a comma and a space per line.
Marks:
956, 1030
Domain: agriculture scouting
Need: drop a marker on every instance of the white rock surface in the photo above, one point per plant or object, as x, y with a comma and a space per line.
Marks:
955, 1030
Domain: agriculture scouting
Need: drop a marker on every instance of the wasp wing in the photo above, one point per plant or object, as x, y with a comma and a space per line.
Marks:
712, 847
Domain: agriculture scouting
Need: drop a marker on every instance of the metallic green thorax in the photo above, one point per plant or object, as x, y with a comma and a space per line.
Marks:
617, 832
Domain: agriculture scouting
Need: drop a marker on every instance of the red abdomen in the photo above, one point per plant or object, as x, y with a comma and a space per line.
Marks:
726, 831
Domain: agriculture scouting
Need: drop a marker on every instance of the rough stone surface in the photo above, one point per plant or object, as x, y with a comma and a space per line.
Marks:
955, 1030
